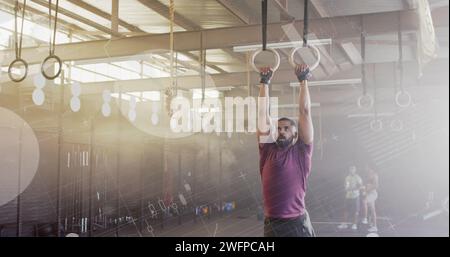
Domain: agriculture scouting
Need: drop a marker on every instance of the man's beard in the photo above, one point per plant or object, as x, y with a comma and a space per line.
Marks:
283, 142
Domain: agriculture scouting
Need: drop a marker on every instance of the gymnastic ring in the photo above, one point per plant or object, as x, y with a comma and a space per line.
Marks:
397, 125
277, 59
376, 125
52, 56
397, 99
316, 53
363, 97
25, 64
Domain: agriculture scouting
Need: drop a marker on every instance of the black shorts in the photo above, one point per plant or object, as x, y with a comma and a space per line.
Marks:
352, 205
294, 227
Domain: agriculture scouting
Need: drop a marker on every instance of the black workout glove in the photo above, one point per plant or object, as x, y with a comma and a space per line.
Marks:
265, 76
303, 73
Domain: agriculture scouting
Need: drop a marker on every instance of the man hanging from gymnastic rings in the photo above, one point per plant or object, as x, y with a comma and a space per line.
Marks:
285, 162
286, 150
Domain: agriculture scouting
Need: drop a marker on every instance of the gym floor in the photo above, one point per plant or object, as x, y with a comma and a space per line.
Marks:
246, 224
129, 118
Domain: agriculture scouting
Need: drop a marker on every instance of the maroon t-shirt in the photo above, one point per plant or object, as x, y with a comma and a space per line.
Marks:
283, 173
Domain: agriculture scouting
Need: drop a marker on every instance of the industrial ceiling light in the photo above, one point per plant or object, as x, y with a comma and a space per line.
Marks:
314, 42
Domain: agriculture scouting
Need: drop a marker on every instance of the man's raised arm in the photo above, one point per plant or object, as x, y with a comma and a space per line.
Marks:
263, 104
306, 129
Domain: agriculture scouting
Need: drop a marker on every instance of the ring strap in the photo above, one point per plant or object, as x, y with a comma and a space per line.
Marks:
363, 57
18, 41
305, 23
172, 43
264, 24
400, 53
52, 39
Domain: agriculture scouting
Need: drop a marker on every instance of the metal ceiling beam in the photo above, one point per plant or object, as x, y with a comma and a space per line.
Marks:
181, 21
196, 58
236, 11
66, 26
281, 77
185, 23
191, 66
243, 16
239, 79
328, 93
282, 7
163, 10
343, 28
239, 56
319, 8
78, 18
358, 7
105, 15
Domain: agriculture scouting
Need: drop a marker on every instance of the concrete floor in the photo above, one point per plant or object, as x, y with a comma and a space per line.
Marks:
246, 224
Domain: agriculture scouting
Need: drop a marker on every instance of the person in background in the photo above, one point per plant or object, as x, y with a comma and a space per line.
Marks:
369, 201
353, 185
